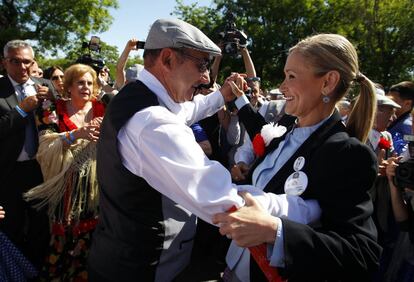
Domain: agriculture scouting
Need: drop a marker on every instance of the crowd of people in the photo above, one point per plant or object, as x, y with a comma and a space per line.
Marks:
167, 174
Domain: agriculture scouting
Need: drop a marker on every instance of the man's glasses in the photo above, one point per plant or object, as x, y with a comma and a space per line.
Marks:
203, 64
18, 62
56, 77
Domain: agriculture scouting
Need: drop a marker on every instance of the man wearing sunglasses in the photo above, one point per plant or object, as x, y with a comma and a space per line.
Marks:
154, 178
20, 95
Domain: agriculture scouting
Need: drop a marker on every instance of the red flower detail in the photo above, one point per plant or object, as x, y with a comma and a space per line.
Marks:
384, 144
259, 145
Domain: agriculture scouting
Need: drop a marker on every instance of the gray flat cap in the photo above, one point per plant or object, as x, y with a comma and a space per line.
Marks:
385, 100
174, 33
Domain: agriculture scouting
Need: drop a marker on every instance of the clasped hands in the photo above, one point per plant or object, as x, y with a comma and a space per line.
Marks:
234, 86
89, 131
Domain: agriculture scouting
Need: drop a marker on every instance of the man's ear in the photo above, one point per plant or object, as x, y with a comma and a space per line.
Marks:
408, 103
166, 58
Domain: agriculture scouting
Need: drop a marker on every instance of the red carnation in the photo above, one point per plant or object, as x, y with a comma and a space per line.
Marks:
384, 144
259, 145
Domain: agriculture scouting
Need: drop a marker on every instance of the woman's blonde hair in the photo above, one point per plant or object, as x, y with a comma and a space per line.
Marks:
75, 72
328, 52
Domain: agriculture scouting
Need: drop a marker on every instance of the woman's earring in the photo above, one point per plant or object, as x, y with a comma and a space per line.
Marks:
326, 99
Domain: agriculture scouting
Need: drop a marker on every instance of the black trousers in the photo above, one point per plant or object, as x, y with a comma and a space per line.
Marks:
26, 227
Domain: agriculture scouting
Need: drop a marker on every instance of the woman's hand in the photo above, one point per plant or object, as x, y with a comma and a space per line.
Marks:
90, 131
238, 85
232, 85
96, 121
250, 225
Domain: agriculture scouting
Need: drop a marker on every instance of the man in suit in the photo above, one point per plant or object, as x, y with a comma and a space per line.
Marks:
20, 95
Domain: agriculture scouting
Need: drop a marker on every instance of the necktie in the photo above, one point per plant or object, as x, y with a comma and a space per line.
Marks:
31, 141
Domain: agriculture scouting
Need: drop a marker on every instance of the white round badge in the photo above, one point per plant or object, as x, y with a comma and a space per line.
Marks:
296, 183
299, 163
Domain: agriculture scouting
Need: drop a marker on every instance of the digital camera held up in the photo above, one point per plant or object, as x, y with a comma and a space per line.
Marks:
232, 37
404, 172
93, 46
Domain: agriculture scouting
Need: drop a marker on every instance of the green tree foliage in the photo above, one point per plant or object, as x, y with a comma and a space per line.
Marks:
384, 37
53, 24
380, 29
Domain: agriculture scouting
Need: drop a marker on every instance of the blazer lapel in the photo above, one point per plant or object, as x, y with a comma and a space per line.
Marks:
9, 93
287, 121
276, 184
12, 101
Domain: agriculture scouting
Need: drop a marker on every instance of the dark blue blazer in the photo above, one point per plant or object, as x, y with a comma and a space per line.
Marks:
343, 245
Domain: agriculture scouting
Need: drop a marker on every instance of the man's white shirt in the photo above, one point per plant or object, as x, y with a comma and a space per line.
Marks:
157, 145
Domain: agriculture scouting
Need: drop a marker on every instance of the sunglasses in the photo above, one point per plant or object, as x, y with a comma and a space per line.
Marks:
56, 77
18, 62
203, 64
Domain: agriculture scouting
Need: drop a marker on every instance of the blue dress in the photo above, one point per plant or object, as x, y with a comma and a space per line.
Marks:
13, 265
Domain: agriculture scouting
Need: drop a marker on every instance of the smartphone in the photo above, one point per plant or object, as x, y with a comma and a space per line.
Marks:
140, 44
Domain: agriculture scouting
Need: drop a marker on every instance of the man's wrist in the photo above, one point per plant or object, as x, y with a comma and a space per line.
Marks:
21, 111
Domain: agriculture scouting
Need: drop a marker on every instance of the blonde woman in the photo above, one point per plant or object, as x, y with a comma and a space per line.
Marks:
318, 162
69, 130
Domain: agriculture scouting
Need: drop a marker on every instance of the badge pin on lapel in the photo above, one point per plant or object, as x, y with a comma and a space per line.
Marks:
297, 182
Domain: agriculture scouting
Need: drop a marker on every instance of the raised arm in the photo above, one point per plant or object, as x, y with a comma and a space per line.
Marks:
122, 60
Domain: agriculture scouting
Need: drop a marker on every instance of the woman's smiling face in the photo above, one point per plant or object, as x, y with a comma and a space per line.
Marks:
302, 89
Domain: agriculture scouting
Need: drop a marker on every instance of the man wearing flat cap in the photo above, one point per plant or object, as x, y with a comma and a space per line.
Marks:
154, 178
386, 109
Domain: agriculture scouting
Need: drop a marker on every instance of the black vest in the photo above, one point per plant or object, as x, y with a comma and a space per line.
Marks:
129, 239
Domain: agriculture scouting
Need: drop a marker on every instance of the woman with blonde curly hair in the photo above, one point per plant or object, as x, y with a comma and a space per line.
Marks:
69, 129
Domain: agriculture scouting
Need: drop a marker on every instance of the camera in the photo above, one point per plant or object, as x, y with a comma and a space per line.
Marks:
140, 44
232, 37
404, 172
93, 46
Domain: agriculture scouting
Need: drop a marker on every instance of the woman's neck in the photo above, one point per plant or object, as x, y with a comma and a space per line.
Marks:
316, 117
79, 105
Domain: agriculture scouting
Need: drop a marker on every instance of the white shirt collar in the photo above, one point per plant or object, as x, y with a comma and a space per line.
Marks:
14, 83
179, 109
374, 137
155, 86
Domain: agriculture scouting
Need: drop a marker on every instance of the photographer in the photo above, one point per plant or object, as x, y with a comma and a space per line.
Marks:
106, 91
401, 264
400, 200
